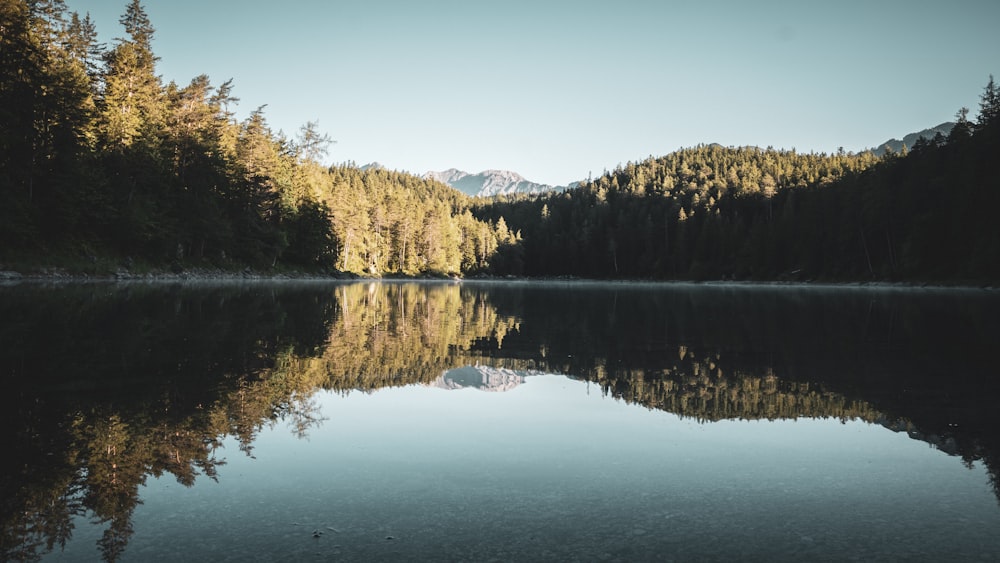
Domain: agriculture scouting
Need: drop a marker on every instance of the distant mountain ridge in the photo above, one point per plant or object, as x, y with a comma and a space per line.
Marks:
895, 145
490, 183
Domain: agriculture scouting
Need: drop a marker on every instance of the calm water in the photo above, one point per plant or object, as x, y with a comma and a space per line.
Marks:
498, 421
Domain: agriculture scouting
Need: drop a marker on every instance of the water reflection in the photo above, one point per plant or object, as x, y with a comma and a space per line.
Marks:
483, 378
108, 385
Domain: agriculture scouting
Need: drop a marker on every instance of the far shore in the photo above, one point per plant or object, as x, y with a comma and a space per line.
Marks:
58, 275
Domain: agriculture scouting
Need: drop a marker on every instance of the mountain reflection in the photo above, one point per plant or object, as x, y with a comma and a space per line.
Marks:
106, 385
483, 378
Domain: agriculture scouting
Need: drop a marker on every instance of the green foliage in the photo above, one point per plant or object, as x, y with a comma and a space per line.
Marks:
390, 222
310, 240
705, 212
104, 159
989, 104
747, 213
46, 116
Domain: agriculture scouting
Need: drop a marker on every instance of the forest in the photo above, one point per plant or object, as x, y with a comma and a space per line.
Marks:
105, 169
712, 212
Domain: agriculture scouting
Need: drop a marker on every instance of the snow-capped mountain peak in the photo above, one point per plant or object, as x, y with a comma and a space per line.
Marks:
490, 182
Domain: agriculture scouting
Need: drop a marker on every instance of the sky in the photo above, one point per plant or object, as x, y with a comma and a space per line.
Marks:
561, 90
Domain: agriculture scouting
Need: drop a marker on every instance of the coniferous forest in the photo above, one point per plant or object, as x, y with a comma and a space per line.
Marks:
105, 168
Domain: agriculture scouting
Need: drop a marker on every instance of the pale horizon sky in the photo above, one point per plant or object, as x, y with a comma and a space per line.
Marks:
558, 90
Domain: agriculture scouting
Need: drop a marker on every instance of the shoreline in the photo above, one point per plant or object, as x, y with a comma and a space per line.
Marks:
58, 276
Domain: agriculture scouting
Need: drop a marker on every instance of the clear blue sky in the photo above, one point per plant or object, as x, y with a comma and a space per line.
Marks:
557, 89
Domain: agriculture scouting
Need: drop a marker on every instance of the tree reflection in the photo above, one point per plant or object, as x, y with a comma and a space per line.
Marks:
108, 385
111, 384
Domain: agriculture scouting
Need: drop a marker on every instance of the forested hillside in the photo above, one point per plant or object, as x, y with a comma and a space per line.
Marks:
711, 212
396, 223
103, 167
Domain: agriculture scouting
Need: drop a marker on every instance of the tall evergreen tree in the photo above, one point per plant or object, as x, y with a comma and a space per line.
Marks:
47, 113
82, 44
140, 31
21, 70
132, 102
989, 104
963, 128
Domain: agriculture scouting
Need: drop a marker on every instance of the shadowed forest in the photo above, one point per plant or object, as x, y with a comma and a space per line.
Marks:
105, 169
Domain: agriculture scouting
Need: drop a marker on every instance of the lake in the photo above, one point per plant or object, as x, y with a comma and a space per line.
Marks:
498, 421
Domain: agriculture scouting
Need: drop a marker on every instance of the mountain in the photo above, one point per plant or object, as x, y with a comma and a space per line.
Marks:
896, 145
491, 182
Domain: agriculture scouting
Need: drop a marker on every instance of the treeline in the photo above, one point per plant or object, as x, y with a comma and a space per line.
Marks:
101, 162
712, 212
396, 223
104, 167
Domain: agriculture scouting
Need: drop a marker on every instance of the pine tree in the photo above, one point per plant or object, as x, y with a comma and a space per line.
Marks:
963, 128
989, 104
140, 32
132, 108
46, 111
264, 189
82, 44
21, 70
312, 145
